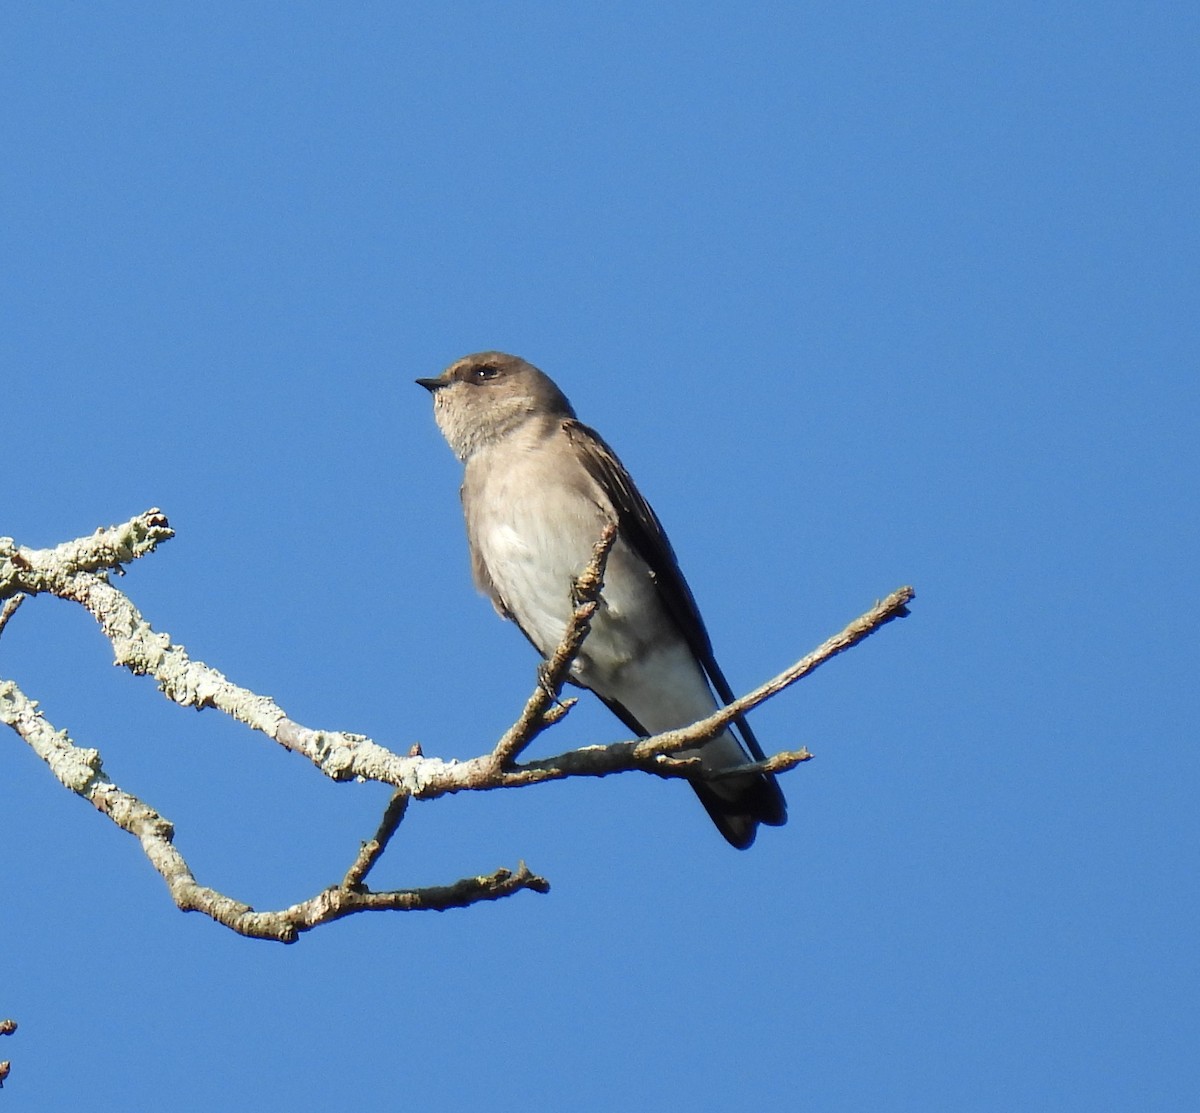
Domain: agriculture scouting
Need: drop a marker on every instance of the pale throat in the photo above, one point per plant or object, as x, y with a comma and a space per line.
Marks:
467, 429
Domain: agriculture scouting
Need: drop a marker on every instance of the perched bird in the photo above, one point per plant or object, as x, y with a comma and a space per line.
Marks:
538, 490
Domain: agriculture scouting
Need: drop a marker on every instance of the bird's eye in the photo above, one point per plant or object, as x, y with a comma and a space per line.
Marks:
484, 373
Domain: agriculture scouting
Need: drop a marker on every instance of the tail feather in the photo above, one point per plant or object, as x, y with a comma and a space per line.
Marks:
737, 805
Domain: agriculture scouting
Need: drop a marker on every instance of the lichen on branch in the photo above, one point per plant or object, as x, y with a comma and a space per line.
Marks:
79, 571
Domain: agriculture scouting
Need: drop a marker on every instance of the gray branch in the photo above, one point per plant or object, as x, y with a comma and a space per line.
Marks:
81, 771
78, 571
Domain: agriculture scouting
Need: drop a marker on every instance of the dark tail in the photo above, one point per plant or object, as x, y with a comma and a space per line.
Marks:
737, 805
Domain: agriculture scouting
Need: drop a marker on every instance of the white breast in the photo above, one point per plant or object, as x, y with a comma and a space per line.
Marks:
534, 524
534, 531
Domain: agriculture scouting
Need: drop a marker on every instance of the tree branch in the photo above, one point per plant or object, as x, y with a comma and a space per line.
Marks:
80, 770
108, 548
78, 570
9, 609
370, 852
893, 607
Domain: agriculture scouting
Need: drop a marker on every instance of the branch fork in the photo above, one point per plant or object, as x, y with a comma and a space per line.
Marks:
78, 570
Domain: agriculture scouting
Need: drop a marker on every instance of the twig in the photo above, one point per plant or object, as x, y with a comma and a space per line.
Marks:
647, 754
369, 854
894, 606
80, 770
552, 674
10, 608
110, 547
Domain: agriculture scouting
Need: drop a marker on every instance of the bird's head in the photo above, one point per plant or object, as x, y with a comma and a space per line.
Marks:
483, 397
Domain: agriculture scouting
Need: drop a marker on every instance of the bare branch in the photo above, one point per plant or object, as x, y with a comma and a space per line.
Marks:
10, 608
647, 754
108, 548
369, 854
894, 606
343, 756
139, 648
77, 571
80, 770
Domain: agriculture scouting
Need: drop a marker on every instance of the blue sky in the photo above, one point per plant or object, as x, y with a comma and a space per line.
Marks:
864, 295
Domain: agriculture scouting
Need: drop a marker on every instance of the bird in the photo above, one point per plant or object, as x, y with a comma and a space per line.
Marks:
539, 488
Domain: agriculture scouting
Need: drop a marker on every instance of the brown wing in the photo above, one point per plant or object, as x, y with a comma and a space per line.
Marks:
641, 528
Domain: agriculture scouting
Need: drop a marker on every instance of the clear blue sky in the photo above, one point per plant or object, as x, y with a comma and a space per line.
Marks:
863, 294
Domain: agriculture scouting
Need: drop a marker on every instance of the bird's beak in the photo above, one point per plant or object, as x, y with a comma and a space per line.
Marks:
431, 384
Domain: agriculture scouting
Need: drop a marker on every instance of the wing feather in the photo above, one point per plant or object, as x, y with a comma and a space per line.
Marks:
640, 526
